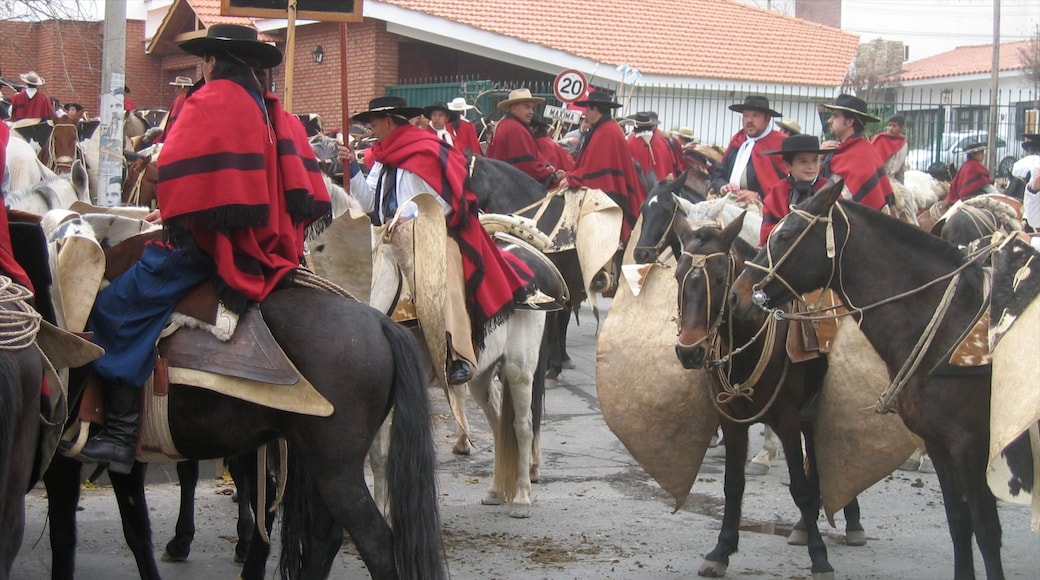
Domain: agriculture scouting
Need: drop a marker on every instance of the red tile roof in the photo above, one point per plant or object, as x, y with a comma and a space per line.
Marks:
719, 39
208, 11
965, 60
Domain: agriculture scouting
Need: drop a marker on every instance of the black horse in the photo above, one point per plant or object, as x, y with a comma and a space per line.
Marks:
21, 374
364, 364
899, 278
709, 336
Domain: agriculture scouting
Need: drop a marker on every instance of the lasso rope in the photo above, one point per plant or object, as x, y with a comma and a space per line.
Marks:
308, 279
19, 322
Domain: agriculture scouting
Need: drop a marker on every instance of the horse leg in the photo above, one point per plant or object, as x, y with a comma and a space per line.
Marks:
958, 516
854, 533
716, 561
805, 491
985, 522
251, 550
760, 463
133, 509
462, 442
179, 547
347, 499
481, 389
62, 480
516, 393
377, 459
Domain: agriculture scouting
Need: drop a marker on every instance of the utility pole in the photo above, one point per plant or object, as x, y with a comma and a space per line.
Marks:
994, 92
113, 79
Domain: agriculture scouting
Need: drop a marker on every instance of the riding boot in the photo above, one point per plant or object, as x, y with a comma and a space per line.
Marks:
116, 444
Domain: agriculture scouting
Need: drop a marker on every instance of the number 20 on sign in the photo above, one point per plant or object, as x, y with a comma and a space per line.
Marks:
570, 85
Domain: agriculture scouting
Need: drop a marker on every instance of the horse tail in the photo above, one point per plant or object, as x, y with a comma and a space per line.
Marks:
507, 450
10, 409
410, 465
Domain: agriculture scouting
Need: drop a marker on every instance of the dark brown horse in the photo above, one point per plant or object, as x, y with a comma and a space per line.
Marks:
898, 280
754, 381
21, 375
364, 364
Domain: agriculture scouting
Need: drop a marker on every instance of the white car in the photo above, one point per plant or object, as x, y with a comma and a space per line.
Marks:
952, 153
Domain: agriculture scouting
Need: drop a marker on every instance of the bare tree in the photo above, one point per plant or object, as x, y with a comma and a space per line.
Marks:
875, 69
40, 10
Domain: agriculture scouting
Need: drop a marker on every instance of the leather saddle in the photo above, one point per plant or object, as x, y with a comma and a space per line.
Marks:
809, 339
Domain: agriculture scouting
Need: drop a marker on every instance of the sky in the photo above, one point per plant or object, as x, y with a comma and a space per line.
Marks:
928, 27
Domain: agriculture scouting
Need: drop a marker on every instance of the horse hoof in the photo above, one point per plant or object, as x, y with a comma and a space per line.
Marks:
855, 538
520, 511
568, 365
458, 450
710, 569
491, 499
168, 557
753, 468
798, 538
926, 465
536, 475
719, 452
823, 575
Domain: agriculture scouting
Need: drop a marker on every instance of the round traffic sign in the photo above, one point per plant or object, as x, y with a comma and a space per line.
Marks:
570, 85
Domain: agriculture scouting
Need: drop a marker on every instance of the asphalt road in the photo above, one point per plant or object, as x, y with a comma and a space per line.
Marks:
596, 514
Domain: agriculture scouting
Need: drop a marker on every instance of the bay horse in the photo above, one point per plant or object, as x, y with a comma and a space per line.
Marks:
753, 381
361, 362
21, 378
897, 280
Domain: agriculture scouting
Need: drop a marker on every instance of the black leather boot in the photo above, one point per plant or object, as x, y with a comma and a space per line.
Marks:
116, 444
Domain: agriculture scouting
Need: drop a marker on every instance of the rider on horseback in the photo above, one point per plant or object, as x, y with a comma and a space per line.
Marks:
482, 282
238, 187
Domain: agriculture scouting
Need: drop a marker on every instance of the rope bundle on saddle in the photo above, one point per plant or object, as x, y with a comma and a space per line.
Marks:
19, 323
308, 279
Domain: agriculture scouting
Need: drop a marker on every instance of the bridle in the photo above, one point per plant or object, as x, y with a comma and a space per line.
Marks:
677, 210
698, 262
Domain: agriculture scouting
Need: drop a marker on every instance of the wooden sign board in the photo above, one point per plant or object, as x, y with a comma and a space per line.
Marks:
321, 10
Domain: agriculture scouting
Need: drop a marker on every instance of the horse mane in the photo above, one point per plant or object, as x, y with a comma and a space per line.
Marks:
891, 228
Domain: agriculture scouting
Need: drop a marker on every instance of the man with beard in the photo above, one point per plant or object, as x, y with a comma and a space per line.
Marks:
605, 162
852, 158
745, 172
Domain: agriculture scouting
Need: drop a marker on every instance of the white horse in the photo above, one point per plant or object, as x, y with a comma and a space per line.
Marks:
24, 168
55, 192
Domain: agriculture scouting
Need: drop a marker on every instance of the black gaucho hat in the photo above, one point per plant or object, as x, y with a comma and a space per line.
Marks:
238, 41
754, 103
854, 105
440, 106
601, 98
388, 105
800, 143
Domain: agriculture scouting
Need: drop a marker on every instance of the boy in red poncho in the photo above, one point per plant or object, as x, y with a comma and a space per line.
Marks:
852, 156
238, 187
801, 154
482, 281
972, 178
892, 148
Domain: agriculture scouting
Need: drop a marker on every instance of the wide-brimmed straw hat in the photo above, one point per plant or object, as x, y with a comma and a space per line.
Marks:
754, 103
800, 143
854, 105
239, 41
974, 148
683, 133
31, 78
459, 105
519, 96
789, 126
601, 98
388, 105
440, 106
182, 82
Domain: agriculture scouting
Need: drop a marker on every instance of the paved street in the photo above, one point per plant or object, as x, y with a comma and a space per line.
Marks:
596, 514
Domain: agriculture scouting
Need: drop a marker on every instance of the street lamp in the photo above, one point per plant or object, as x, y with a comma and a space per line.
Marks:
318, 54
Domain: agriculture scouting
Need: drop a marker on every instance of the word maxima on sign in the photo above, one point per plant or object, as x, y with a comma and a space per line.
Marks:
566, 115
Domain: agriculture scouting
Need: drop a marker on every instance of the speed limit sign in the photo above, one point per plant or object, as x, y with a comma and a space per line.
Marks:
570, 85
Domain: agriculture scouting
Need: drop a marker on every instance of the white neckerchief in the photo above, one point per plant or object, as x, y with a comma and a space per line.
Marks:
744, 155
31, 91
445, 136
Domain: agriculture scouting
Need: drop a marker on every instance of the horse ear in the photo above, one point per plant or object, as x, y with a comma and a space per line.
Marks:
682, 228
829, 193
677, 185
80, 181
732, 231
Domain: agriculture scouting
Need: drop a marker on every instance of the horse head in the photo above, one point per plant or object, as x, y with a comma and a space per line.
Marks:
141, 185
658, 210
500, 187
798, 256
63, 146
705, 271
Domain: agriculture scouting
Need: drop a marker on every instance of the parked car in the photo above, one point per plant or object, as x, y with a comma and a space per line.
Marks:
952, 153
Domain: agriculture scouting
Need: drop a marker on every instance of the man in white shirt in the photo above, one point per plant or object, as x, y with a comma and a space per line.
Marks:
1028, 170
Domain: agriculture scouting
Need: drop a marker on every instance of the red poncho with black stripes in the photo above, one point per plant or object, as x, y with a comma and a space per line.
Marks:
493, 278
239, 190
970, 180
605, 163
857, 162
513, 143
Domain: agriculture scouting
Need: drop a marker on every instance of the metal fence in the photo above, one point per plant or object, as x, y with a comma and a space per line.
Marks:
938, 121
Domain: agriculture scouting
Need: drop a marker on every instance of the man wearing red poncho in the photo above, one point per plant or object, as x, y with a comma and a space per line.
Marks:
513, 142
852, 156
605, 162
238, 187
972, 178
482, 282
892, 148
745, 172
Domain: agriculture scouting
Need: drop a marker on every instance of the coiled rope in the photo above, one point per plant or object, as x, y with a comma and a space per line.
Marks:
19, 322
